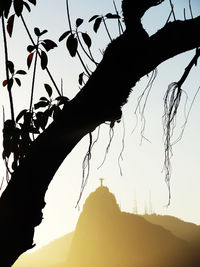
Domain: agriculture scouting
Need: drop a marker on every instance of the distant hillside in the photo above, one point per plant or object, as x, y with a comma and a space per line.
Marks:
52, 255
184, 230
107, 237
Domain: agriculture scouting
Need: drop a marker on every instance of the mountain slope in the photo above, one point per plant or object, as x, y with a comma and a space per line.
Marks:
106, 237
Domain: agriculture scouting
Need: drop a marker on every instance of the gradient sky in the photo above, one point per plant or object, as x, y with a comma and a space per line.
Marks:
142, 164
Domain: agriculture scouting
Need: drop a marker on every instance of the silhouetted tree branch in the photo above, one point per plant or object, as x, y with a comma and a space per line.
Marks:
126, 60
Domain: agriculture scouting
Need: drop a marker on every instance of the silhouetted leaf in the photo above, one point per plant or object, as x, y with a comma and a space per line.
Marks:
43, 32
48, 89
43, 98
64, 35
21, 72
10, 66
93, 17
27, 7
44, 60
41, 104
80, 79
87, 39
18, 7
21, 114
18, 81
7, 6
32, 2
30, 48
29, 59
72, 45
112, 16
62, 100
97, 23
48, 44
4, 83
41, 120
10, 24
37, 31
79, 22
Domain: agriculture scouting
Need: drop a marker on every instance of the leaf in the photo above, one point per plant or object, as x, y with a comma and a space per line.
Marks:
112, 16
79, 22
7, 7
27, 7
87, 39
93, 17
30, 48
48, 44
97, 24
18, 7
21, 114
18, 81
41, 104
43, 98
29, 59
44, 60
21, 72
62, 100
32, 2
37, 31
10, 24
80, 79
4, 83
72, 45
48, 89
64, 35
10, 66
43, 32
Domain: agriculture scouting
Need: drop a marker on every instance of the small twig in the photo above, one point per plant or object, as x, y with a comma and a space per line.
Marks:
34, 75
84, 50
190, 7
105, 25
121, 30
172, 8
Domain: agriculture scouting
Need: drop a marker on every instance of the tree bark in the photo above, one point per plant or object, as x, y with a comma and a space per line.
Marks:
126, 60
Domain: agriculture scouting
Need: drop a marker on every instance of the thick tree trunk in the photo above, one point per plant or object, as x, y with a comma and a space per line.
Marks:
126, 60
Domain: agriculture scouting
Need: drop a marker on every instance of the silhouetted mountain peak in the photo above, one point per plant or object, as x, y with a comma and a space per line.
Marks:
101, 201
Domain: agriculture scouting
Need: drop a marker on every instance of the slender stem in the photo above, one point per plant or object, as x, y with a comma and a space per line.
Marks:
104, 22
68, 15
172, 8
47, 70
34, 75
70, 27
119, 22
83, 64
88, 55
7, 71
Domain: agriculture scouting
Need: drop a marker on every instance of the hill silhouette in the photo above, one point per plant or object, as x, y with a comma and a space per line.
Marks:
106, 237
52, 255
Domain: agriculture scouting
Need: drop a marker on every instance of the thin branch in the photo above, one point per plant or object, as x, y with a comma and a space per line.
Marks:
172, 8
121, 30
105, 25
7, 70
34, 75
190, 7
